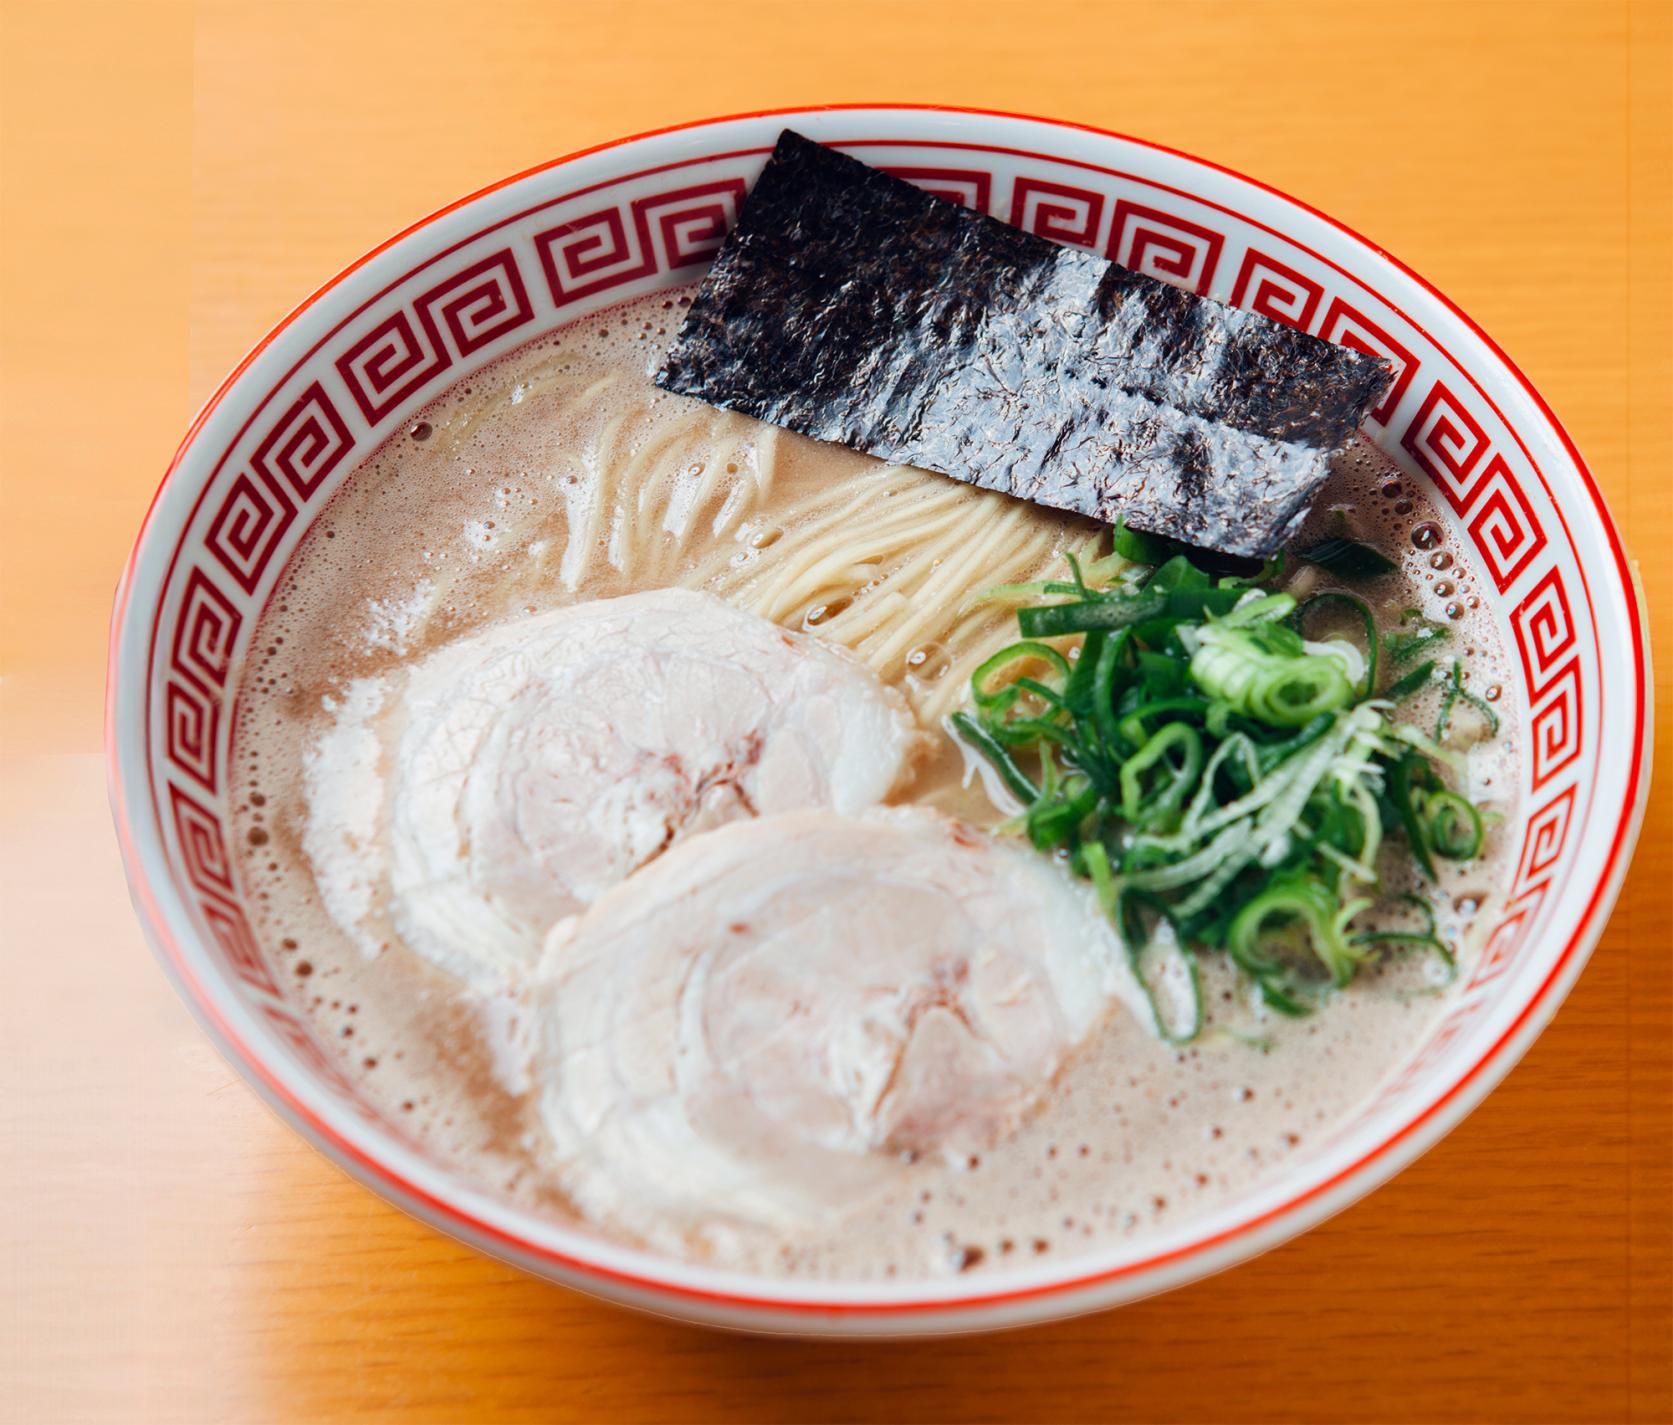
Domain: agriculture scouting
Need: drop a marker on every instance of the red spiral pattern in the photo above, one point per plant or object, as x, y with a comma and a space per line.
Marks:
1268, 286
660, 233
1554, 728
481, 304
1509, 936
248, 527
238, 943
205, 631
305, 445
968, 187
1164, 245
1542, 847
1543, 625
1504, 526
1057, 211
192, 720
1448, 444
393, 361
203, 849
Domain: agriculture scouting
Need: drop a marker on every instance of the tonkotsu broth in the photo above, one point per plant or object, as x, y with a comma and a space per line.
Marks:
561, 473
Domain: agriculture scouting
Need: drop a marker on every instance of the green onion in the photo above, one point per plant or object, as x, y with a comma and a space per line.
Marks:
1407, 779
1052, 820
1206, 767
1367, 619
1141, 548
1402, 647
1403, 688
1139, 808
1104, 676
1113, 611
1456, 692
1348, 558
1266, 574
1263, 608
1147, 958
1426, 939
1452, 826
1123, 907
1003, 696
1285, 691
998, 757
1132, 728
1303, 902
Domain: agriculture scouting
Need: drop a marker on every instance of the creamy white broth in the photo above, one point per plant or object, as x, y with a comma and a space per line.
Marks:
561, 475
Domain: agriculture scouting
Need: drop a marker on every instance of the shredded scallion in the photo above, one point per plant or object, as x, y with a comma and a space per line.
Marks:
1224, 783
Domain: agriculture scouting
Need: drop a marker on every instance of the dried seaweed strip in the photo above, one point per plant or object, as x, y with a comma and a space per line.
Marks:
852, 307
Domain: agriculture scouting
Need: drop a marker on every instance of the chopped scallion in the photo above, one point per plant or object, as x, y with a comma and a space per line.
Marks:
1225, 784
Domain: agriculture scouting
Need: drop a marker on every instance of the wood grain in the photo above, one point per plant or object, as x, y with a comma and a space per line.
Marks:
173, 177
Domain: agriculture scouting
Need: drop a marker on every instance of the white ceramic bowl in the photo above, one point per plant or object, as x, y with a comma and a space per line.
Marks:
497, 269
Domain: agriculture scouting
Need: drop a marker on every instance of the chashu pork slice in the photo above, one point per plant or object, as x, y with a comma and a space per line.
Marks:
525, 770
768, 1023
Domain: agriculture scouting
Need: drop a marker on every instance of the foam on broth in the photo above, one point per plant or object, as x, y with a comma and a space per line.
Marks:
467, 517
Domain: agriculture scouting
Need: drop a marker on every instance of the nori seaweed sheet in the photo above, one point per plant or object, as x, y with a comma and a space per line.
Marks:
852, 307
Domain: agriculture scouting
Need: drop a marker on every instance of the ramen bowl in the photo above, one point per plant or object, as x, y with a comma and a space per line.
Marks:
498, 269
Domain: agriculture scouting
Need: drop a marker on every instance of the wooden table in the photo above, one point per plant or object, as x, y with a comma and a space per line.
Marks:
175, 176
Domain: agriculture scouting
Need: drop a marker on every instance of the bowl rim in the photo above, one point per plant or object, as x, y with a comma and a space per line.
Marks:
1072, 1291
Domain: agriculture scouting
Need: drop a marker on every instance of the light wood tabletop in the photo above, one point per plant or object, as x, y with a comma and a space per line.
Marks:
175, 176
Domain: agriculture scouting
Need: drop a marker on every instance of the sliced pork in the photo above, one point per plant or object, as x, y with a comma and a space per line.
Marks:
765, 1024
510, 778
